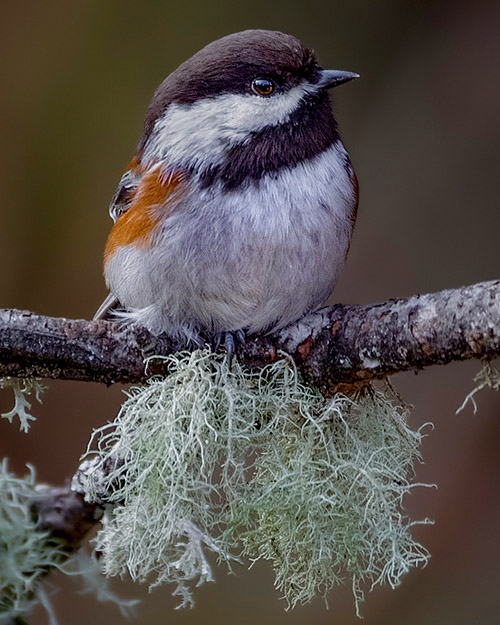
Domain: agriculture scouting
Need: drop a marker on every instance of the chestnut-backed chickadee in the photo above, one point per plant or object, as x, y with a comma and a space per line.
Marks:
237, 209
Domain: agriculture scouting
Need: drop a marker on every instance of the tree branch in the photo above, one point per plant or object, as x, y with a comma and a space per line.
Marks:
65, 514
334, 348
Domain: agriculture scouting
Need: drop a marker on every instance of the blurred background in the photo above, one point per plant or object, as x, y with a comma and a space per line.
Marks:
422, 126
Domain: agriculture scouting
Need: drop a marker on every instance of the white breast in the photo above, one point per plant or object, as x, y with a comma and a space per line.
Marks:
255, 258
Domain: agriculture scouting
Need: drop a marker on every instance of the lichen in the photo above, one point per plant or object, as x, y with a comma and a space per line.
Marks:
28, 554
488, 377
254, 465
22, 389
25, 553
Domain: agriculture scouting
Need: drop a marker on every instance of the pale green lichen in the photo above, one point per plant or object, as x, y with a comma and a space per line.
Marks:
488, 377
259, 466
22, 389
25, 553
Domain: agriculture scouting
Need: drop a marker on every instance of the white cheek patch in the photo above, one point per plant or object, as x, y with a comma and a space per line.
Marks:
199, 134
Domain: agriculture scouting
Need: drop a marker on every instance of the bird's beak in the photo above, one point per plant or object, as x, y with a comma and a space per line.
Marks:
329, 78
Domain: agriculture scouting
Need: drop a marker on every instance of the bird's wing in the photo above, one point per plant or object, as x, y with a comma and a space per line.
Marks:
141, 208
126, 190
120, 203
144, 198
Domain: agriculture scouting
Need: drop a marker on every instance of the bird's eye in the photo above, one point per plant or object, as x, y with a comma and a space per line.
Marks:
263, 86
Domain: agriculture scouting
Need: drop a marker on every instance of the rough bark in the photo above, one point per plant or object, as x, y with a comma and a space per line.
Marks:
334, 348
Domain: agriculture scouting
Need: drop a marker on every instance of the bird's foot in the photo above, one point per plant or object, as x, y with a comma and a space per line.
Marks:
231, 342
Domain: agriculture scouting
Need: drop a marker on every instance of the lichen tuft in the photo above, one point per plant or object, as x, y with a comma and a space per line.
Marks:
254, 465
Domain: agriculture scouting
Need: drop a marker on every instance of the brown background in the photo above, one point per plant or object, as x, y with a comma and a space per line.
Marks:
423, 130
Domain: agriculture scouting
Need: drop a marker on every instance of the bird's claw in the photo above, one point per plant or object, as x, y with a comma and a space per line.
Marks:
231, 341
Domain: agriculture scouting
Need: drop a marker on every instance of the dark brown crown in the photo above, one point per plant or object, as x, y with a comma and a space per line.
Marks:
229, 65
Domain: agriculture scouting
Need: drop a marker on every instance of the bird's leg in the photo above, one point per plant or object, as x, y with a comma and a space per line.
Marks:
231, 341
230, 344
240, 337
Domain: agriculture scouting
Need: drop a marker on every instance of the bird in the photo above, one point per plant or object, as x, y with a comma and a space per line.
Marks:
235, 214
